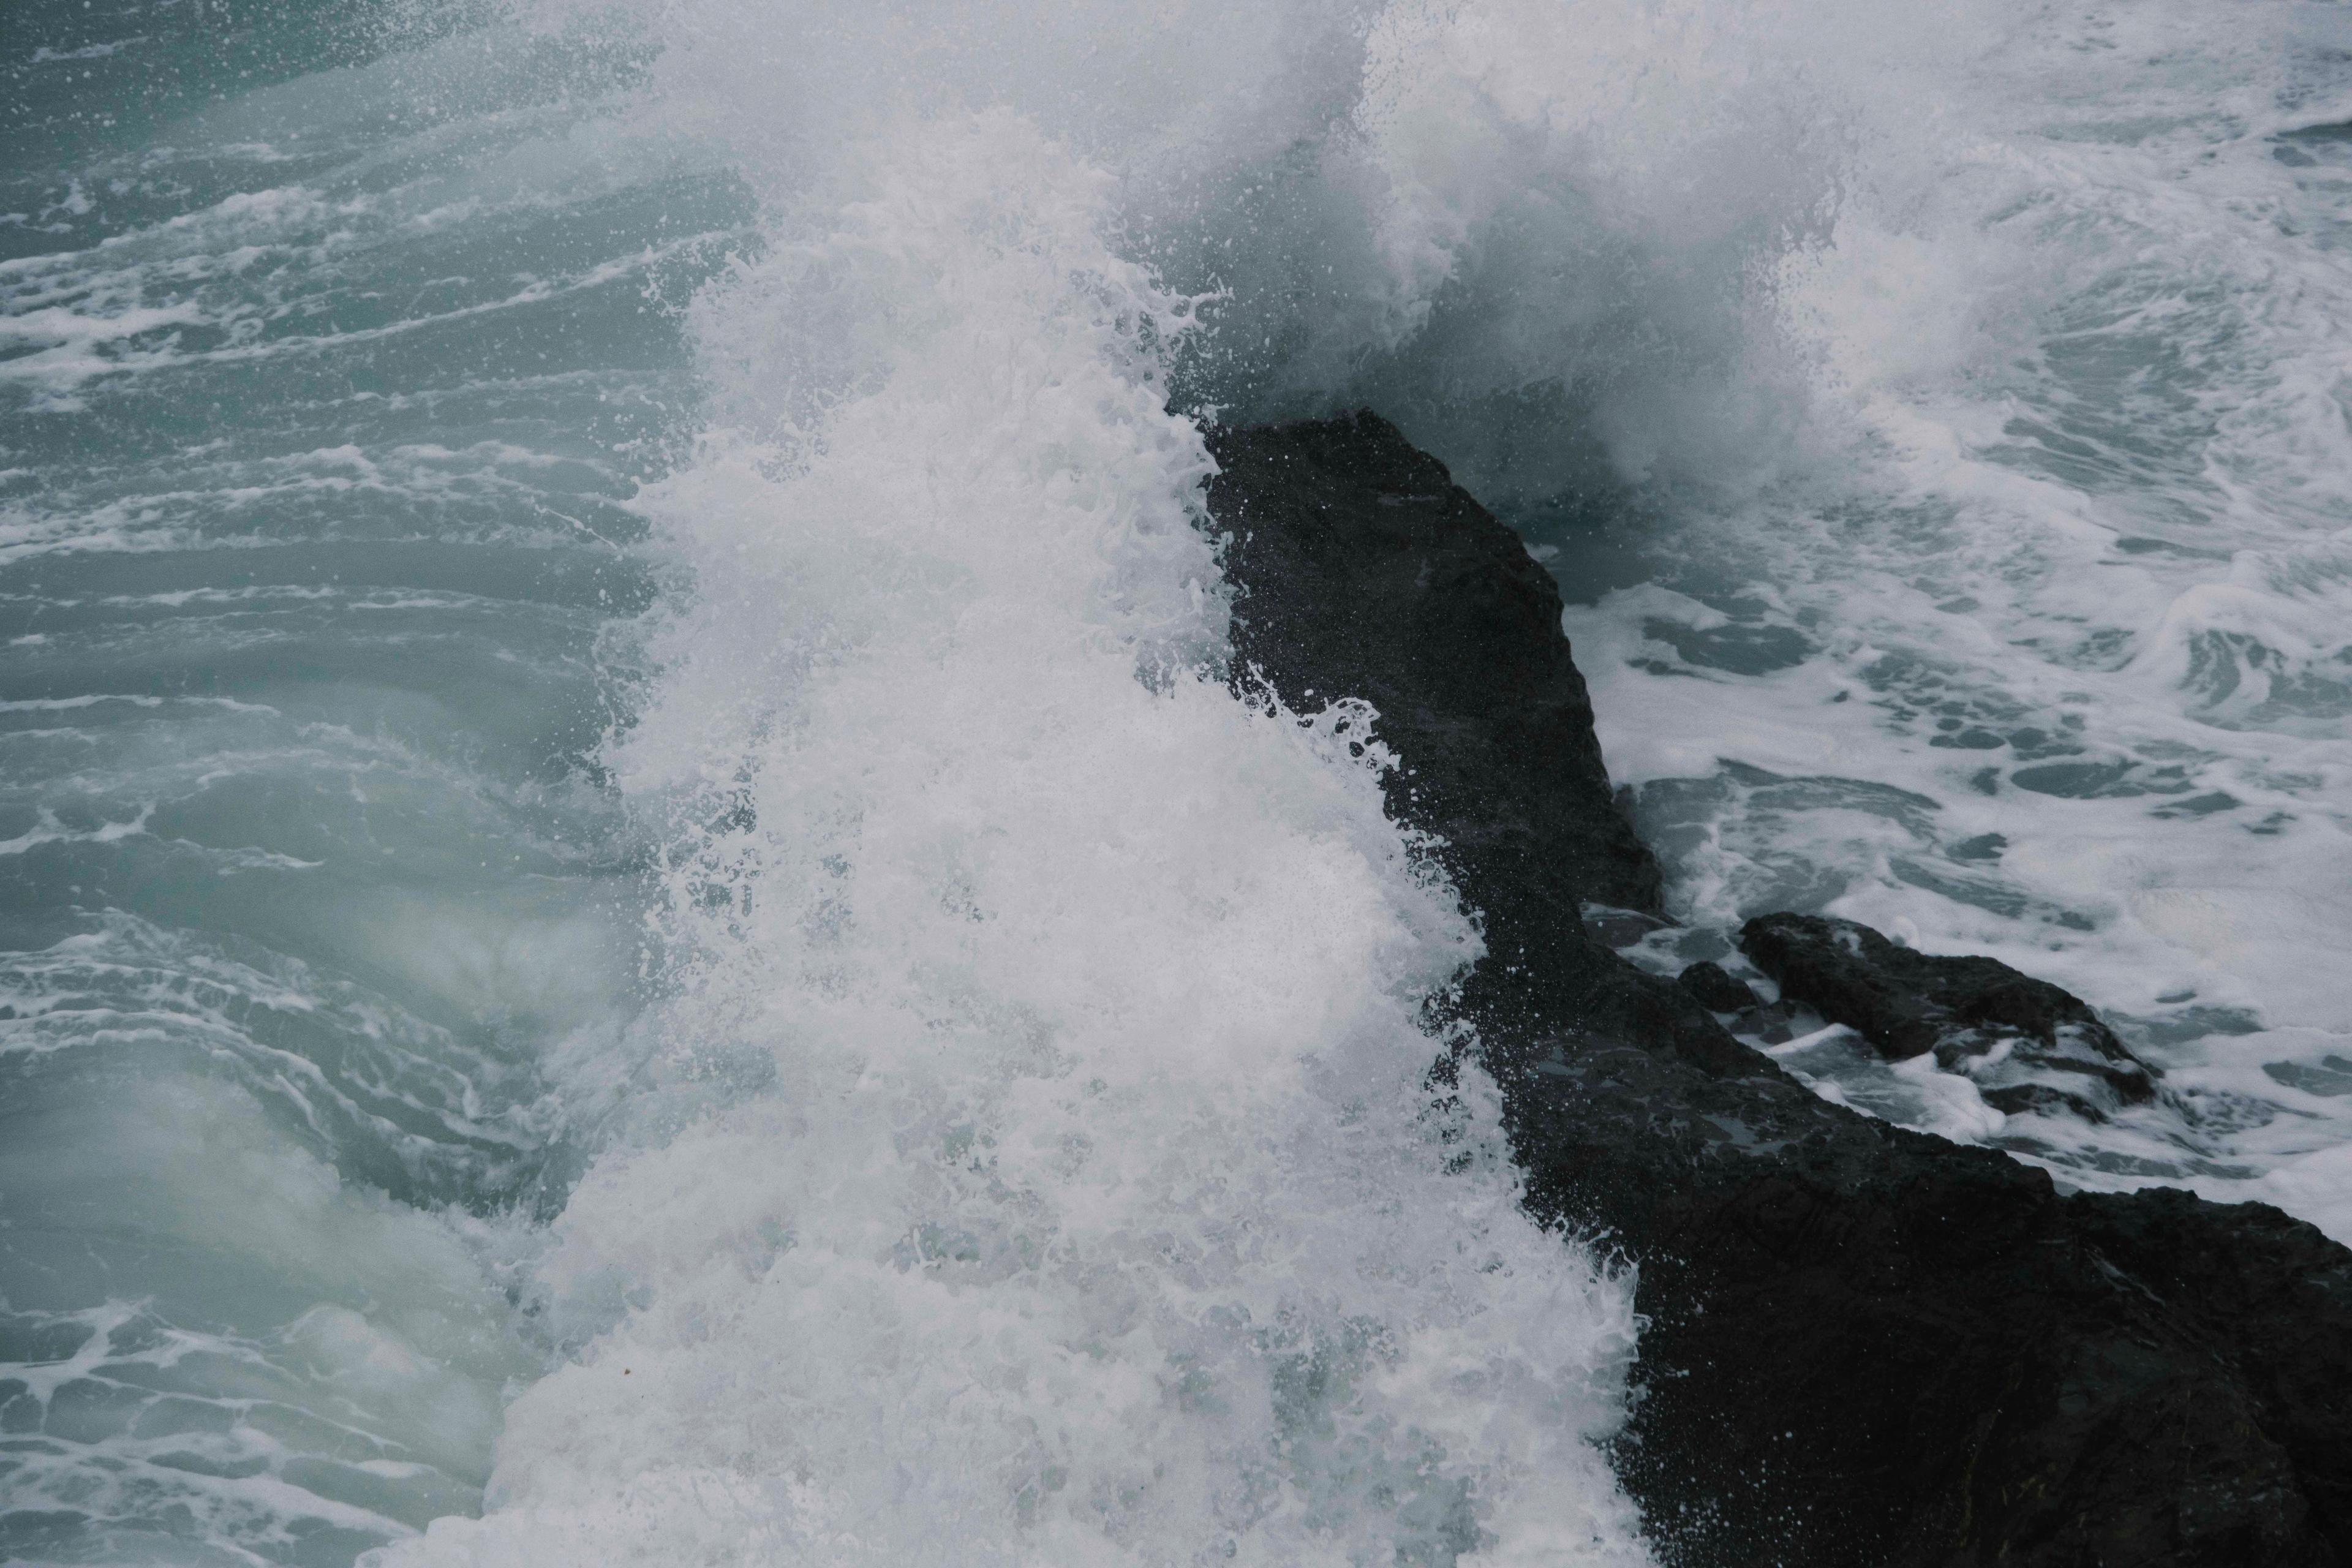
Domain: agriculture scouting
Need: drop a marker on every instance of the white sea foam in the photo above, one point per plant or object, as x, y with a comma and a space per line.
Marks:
1963, 392
2048, 659
1081, 1196
994, 953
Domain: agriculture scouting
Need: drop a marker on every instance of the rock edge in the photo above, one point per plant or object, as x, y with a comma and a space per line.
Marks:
1866, 1345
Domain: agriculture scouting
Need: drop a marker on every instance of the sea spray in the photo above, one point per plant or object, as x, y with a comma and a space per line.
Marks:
1935, 421
1078, 1191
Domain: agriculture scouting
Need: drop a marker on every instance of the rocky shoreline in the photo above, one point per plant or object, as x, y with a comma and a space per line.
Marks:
1866, 1345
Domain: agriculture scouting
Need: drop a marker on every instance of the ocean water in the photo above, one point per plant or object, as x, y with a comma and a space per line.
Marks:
636, 926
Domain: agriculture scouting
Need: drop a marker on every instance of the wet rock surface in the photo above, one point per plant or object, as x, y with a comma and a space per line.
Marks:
1866, 1345
2028, 1043
1369, 574
1363, 571
1716, 989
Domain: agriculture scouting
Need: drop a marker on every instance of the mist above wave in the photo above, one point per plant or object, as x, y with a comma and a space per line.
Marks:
1043, 1160
1938, 420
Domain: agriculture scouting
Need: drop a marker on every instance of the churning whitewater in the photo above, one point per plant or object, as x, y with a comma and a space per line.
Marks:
638, 924
1071, 1188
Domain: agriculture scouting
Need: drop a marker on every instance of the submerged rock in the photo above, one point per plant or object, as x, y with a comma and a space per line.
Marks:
1866, 1346
2030, 1045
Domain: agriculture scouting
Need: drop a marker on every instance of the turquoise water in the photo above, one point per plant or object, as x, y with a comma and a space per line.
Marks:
603, 945
329, 358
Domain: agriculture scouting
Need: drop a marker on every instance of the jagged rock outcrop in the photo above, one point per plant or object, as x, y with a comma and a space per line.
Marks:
1716, 989
2032, 1044
1366, 572
1866, 1346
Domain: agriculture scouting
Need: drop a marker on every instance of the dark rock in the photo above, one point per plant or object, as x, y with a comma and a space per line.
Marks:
1906, 1004
1866, 1345
1362, 570
1368, 572
1620, 928
1717, 988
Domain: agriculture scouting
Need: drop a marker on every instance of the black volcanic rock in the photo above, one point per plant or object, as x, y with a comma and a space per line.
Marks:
1363, 571
1866, 1346
1908, 1003
1368, 568
1716, 988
